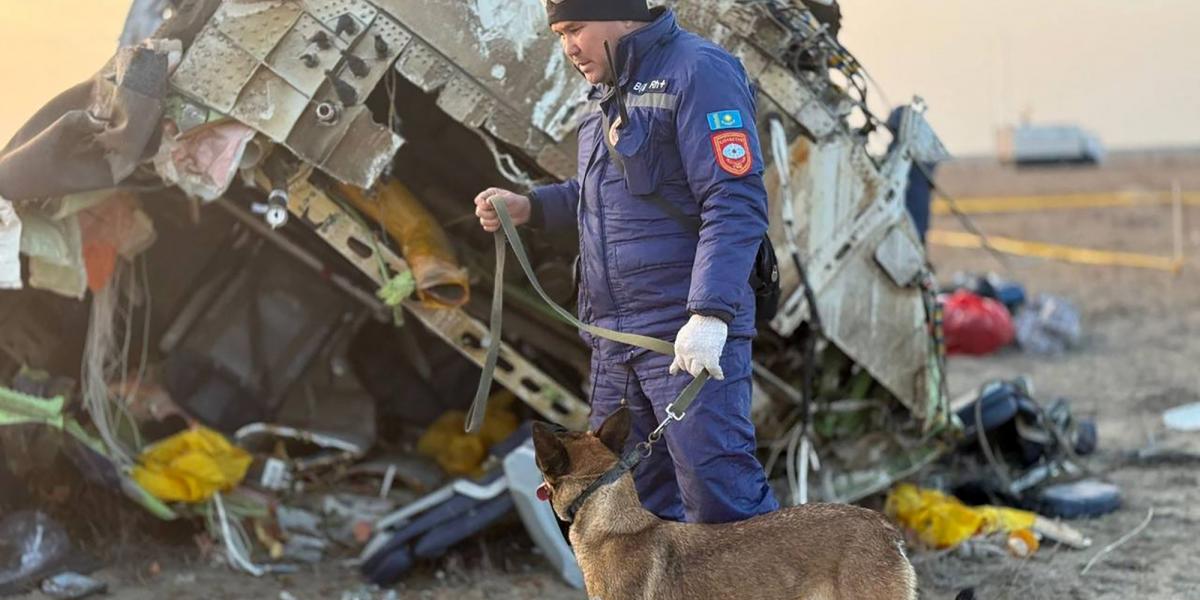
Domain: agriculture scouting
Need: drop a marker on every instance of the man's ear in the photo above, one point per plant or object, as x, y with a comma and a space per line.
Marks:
549, 451
615, 430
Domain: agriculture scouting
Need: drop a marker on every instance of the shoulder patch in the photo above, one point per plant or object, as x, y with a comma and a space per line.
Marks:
725, 119
732, 149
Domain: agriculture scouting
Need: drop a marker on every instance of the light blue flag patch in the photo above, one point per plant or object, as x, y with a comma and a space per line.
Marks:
725, 119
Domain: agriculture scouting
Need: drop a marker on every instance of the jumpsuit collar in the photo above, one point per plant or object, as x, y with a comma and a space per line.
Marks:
633, 47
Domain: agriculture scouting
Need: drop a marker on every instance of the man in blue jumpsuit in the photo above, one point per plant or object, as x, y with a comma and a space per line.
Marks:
670, 209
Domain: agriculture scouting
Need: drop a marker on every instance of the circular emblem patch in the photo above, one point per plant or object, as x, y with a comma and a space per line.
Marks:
734, 151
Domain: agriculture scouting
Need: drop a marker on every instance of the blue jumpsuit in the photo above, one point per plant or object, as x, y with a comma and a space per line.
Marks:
691, 139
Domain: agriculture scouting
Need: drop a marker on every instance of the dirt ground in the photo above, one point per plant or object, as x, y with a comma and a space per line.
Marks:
1138, 358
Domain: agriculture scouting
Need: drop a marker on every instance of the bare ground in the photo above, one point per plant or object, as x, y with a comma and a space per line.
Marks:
1139, 356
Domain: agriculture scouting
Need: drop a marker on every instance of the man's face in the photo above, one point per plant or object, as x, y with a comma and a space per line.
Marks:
583, 42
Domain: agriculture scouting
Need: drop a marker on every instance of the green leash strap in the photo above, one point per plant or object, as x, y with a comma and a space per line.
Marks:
509, 231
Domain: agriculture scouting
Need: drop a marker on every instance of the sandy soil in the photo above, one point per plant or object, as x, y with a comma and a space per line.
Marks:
1138, 358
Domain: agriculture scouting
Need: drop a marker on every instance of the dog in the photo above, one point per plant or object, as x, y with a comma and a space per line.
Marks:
809, 552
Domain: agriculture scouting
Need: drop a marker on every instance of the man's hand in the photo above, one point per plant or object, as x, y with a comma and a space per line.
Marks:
518, 208
698, 346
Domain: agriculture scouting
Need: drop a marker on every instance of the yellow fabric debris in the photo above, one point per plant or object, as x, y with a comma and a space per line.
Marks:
942, 521
460, 453
191, 466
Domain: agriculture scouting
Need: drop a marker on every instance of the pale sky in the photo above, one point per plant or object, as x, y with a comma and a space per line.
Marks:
1128, 70
46, 46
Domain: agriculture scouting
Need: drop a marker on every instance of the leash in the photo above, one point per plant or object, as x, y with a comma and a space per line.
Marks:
627, 462
508, 232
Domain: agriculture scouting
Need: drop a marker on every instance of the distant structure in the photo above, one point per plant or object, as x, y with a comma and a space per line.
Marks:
1028, 145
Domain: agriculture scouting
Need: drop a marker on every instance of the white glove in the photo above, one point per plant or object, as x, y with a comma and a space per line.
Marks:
698, 346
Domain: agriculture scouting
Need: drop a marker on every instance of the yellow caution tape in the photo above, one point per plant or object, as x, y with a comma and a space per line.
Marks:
1087, 256
1011, 204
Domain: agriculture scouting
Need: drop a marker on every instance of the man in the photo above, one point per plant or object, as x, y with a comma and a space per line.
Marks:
670, 209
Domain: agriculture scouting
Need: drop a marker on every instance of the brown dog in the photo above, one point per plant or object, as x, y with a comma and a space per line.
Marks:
811, 552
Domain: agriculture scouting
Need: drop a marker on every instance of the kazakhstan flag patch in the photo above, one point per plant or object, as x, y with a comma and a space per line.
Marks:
725, 119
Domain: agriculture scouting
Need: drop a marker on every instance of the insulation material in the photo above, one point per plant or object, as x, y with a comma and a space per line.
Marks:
55, 251
203, 161
10, 247
441, 282
112, 230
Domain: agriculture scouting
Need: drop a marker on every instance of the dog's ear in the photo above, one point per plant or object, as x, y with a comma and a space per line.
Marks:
549, 451
615, 430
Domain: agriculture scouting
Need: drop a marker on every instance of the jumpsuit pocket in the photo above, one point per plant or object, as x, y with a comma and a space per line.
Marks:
639, 161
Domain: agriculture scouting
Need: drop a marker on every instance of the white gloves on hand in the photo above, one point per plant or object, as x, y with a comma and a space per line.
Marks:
698, 346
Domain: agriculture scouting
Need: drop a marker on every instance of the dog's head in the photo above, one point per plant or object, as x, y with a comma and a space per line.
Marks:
570, 460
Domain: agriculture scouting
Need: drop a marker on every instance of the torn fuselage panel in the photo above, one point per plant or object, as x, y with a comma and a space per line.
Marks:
298, 73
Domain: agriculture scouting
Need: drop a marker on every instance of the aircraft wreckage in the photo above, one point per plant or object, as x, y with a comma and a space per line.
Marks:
232, 141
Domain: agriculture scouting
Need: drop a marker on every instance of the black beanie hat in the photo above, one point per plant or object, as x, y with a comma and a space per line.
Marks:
597, 10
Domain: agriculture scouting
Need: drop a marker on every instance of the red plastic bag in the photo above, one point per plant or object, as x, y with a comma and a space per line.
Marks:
975, 325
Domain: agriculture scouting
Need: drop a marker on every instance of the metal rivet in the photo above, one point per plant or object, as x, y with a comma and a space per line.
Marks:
327, 113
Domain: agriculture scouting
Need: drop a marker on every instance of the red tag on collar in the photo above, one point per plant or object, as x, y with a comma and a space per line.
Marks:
543, 492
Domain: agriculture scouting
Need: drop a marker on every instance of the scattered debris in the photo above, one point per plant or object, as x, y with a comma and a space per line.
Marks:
1183, 418
942, 521
428, 527
32, 547
991, 285
301, 414
203, 161
1125, 538
72, 586
1048, 325
191, 466
975, 324
1078, 499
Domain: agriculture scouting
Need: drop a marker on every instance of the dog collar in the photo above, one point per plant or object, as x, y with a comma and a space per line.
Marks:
623, 466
